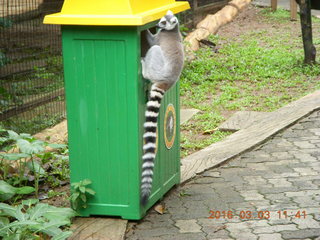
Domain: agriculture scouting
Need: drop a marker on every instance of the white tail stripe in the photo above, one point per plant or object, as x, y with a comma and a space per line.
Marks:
156, 94
150, 124
156, 88
147, 180
146, 185
149, 145
149, 134
151, 114
153, 104
147, 173
147, 165
148, 155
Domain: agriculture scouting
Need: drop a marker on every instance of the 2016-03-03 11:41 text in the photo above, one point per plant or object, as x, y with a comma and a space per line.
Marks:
264, 214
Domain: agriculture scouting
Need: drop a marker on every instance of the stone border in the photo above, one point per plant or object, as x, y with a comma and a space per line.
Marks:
248, 138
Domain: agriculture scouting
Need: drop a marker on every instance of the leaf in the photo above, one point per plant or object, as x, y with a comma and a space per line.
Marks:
30, 147
26, 136
56, 146
8, 210
25, 190
62, 214
19, 215
90, 191
82, 189
83, 197
86, 182
4, 221
35, 167
13, 156
52, 228
160, 208
29, 202
19, 224
37, 211
13, 135
62, 236
74, 196
6, 191
75, 185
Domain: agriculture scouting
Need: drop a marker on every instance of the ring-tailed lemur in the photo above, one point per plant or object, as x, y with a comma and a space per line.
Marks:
162, 65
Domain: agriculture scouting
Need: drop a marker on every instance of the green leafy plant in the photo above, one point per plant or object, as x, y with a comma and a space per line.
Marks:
7, 191
25, 160
79, 194
34, 220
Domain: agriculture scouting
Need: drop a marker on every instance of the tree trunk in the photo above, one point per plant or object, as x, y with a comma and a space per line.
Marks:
306, 28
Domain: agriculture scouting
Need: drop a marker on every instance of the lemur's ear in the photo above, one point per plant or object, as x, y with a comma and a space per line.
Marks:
169, 13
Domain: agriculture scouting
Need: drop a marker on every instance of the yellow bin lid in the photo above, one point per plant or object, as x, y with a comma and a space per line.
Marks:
113, 12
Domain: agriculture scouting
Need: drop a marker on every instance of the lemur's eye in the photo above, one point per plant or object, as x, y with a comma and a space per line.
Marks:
163, 22
174, 21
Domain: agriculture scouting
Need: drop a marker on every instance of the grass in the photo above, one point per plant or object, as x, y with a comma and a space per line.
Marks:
258, 70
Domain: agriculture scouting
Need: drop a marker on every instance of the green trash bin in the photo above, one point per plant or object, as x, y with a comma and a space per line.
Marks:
106, 99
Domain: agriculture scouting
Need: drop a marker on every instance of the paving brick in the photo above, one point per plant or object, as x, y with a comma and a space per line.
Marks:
188, 226
273, 236
304, 144
304, 185
306, 201
305, 171
275, 228
280, 182
251, 195
301, 234
308, 222
255, 180
243, 235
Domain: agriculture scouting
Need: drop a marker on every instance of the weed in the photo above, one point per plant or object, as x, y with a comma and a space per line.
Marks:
79, 194
34, 220
28, 162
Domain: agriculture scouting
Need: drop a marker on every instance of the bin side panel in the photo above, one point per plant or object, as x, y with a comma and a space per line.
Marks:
167, 162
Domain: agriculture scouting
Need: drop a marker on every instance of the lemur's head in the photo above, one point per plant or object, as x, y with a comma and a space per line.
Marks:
168, 22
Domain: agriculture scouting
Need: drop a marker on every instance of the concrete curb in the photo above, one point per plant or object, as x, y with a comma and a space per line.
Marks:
248, 138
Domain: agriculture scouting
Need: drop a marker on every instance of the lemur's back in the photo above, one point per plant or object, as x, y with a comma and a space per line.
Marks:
172, 47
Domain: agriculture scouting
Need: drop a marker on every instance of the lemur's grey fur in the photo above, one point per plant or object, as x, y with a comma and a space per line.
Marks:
162, 65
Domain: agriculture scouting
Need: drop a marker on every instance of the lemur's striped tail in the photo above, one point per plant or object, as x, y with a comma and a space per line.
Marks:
150, 136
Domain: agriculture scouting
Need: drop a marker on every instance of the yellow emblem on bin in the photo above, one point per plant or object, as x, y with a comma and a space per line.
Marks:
169, 125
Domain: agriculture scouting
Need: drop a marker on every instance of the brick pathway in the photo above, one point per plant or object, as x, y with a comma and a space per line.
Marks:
272, 192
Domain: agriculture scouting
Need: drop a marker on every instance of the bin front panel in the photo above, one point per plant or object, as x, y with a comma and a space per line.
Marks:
102, 104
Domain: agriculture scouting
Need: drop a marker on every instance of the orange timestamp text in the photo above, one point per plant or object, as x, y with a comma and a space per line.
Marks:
248, 214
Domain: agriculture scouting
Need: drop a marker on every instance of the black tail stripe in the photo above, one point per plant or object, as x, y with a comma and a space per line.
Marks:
159, 91
150, 150
153, 109
150, 139
150, 129
155, 98
147, 168
151, 119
